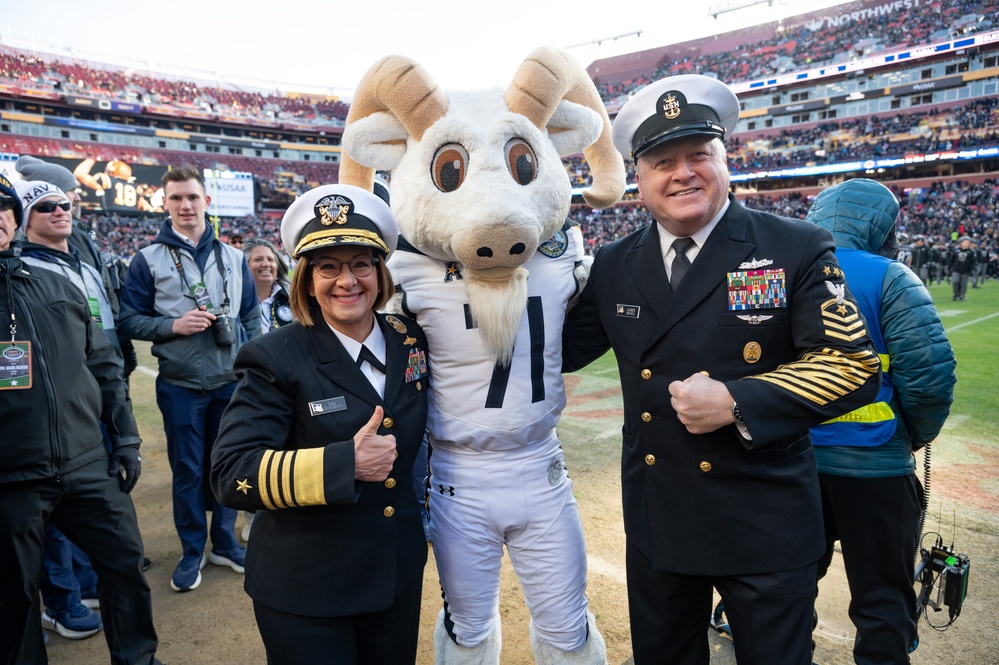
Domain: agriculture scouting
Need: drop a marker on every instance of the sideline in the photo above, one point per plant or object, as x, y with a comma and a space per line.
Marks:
970, 323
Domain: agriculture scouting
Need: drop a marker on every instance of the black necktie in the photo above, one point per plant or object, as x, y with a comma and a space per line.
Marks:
680, 261
366, 354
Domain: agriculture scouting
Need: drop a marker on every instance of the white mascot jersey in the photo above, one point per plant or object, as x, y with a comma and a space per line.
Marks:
474, 403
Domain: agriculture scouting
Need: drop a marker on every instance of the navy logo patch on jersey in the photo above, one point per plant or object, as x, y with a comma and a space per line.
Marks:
555, 467
556, 245
451, 271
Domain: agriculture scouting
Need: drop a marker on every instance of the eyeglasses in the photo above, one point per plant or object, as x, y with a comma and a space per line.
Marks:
7, 202
362, 266
50, 206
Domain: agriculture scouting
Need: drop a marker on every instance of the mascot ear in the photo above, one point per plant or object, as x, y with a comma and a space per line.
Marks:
377, 141
573, 127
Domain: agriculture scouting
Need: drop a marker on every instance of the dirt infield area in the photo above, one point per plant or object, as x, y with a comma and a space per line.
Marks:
214, 624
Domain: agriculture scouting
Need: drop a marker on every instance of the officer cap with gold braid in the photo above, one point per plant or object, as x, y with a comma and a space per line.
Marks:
672, 108
334, 215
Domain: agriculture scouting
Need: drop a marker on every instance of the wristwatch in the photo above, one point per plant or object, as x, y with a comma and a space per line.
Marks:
736, 413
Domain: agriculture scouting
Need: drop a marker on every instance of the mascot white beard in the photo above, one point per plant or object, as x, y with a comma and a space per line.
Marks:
479, 192
497, 307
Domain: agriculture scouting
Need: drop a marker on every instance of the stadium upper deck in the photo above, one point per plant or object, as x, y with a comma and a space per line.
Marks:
931, 113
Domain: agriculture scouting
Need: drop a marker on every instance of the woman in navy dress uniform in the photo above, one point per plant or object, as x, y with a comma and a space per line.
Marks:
320, 437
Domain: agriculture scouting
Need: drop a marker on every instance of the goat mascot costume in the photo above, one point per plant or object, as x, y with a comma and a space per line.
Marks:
487, 265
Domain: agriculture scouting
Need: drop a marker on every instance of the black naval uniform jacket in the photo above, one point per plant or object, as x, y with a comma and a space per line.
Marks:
718, 504
323, 544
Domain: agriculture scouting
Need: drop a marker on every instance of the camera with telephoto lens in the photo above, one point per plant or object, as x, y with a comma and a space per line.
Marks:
222, 327
940, 567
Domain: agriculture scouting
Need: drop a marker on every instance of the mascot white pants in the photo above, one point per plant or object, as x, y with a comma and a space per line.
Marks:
521, 499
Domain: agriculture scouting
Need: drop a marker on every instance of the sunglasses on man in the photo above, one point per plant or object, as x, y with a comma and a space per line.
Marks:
7, 202
50, 206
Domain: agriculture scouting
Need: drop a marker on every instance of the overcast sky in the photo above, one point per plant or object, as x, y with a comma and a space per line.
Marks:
326, 46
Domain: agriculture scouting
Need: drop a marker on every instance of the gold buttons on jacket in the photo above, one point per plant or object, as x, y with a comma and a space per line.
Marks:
389, 511
650, 460
646, 417
390, 483
705, 466
646, 374
388, 423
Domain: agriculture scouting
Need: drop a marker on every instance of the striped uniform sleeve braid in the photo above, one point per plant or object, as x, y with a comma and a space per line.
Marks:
292, 478
825, 376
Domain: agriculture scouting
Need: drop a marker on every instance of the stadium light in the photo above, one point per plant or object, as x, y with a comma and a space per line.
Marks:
723, 7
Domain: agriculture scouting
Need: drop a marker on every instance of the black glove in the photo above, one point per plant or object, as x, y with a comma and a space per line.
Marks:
126, 458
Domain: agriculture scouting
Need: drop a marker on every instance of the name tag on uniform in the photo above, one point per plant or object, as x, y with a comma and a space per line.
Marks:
627, 311
327, 406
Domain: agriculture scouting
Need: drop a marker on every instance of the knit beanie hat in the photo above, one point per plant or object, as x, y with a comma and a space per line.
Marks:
7, 189
32, 168
32, 191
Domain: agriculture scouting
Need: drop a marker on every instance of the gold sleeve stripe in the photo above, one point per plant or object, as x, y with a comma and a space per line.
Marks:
846, 338
310, 490
293, 478
262, 474
287, 492
274, 480
830, 323
824, 377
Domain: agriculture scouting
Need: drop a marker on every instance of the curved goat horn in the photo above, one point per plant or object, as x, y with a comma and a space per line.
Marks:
402, 87
547, 76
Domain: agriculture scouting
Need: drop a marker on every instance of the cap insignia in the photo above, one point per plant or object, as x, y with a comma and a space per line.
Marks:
671, 105
333, 210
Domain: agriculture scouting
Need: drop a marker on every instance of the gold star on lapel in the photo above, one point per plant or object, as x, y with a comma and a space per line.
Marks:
243, 485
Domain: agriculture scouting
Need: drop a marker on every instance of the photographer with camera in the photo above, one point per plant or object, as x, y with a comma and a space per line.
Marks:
187, 292
871, 497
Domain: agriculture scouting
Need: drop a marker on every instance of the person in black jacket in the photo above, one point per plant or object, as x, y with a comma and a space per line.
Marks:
960, 265
320, 438
60, 381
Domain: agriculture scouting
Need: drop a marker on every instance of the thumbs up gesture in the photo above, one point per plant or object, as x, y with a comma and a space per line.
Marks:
374, 454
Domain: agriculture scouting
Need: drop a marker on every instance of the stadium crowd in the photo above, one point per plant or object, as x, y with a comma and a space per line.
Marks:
942, 213
800, 47
129, 86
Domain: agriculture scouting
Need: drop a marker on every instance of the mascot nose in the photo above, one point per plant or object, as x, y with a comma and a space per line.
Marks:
499, 246
487, 252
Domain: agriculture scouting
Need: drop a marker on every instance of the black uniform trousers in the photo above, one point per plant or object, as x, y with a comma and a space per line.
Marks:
770, 614
387, 637
876, 521
90, 508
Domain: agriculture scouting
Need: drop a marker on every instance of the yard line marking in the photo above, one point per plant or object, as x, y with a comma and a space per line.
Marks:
604, 568
145, 370
969, 323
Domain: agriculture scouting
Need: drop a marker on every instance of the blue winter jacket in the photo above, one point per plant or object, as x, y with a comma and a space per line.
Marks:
861, 214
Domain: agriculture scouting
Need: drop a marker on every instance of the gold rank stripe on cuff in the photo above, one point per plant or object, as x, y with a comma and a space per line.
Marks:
292, 478
824, 377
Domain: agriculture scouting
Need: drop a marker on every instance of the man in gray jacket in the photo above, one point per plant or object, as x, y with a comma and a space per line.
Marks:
871, 498
194, 298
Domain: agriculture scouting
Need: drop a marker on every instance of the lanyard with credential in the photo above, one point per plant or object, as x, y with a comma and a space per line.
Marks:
218, 264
